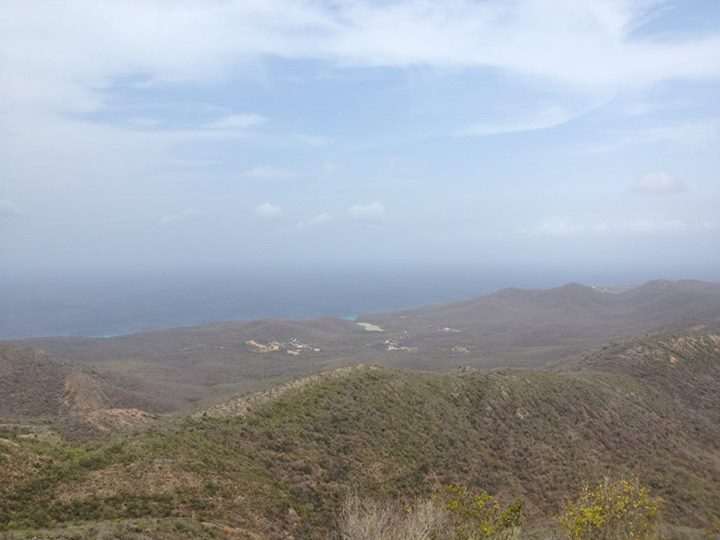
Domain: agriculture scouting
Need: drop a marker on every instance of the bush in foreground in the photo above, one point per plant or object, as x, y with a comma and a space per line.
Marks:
367, 519
611, 511
456, 513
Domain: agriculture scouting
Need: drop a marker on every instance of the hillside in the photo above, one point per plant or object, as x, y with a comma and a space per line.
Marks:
186, 368
278, 465
74, 398
533, 327
182, 366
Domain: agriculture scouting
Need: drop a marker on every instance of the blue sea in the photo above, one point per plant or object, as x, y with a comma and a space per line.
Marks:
102, 305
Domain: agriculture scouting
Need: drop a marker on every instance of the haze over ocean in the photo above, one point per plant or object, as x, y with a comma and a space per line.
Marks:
119, 304
155, 155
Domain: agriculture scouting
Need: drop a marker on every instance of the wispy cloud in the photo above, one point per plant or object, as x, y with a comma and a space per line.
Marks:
658, 183
320, 219
695, 135
547, 118
581, 42
312, 140
698, 134
373, 212
181, 216
268, 211
267, 173
161, 106
236, 121
9, 209
569, 227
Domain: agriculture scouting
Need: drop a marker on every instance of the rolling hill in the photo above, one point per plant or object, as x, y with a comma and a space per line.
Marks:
278, 464
185, 368
533, 327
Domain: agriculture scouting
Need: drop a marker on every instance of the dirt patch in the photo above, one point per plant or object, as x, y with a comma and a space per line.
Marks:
370, 327
82, 394
273, 346
107, 420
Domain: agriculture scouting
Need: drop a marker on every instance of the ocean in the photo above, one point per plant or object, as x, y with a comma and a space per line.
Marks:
104, 305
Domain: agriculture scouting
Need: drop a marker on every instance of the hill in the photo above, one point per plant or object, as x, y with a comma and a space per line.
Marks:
75, 398
185, 368
533, 327
277, 465
182, 366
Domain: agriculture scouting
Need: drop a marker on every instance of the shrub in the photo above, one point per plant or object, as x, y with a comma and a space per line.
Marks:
455, 513
611, 510
366, 519
480, 516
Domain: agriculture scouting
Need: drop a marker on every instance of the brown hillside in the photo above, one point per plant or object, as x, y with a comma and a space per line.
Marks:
278, 465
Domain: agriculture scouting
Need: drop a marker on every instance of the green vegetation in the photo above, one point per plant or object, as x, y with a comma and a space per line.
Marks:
174, 370
480, 516
619, 510
285, 466
454, 513
612, 511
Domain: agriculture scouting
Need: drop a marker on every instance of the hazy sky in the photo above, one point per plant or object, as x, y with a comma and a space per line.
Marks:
510, 133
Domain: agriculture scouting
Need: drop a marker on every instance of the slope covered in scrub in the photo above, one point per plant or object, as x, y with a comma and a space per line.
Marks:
282, 466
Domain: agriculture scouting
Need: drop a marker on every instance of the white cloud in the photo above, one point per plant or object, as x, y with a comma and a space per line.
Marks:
699, 134
68, 63
144, 122
267, 173
236, 121
695, 135
179, 217
548, 118
329, 168
9, 209
313, 140
373, 212
567, 227
320, 219
658, 226
658, 183
563, 226
268, 211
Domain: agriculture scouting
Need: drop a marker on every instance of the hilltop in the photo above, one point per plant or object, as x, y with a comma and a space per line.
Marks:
279, 465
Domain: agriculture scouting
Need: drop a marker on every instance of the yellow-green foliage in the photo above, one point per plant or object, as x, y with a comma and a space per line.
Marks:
713, 530
611, 510
456, 513
480, 515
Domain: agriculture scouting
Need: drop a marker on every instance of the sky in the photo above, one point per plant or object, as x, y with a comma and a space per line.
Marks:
206, 134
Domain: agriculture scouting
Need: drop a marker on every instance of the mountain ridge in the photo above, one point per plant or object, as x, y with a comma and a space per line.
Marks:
182, 368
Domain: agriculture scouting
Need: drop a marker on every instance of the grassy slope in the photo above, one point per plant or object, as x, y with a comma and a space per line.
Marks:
284, 467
